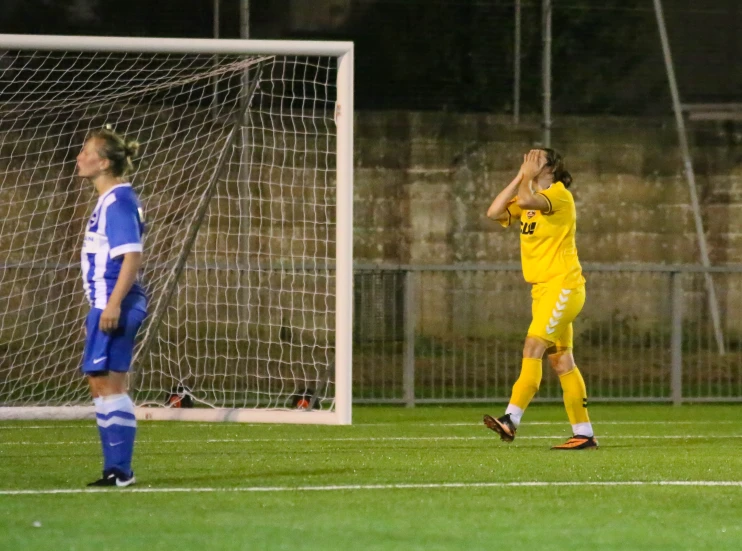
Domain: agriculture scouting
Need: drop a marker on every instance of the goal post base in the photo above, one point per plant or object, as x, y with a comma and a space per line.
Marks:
47, 413
206, 415
219, 415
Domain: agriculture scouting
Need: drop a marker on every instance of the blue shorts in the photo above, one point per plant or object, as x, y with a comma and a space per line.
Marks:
110, 351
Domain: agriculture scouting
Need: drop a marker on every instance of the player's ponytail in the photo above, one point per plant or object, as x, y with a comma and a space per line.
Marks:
556, 162
120, 152
131, 149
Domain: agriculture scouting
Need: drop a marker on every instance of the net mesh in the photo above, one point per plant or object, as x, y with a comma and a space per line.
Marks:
250, 319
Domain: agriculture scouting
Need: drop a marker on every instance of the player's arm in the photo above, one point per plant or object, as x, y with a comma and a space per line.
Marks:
127, 276
527, 199
125, 239
499, 208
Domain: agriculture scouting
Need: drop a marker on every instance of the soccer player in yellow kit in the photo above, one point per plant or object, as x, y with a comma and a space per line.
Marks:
539, 198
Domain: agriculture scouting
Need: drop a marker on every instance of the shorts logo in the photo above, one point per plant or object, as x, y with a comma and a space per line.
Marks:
530, 214
558, 311
99, 360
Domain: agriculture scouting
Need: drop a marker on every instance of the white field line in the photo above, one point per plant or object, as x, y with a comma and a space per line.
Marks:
168, 424
320, 440
356, 487
559, 423
151, 424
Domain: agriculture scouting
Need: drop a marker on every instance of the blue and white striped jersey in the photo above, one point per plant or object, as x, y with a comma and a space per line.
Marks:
115, 228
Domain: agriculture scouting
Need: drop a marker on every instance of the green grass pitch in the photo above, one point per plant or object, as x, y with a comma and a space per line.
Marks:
427, 478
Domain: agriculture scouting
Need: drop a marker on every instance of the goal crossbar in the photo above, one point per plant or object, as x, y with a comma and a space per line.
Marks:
174, 45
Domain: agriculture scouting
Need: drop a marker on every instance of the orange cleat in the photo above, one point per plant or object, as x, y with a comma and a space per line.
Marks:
578, 442
502, 426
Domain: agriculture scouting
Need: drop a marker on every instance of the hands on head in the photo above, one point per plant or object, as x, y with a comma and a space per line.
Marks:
533, 163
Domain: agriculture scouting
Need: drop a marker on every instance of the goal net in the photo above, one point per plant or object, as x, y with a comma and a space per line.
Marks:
246, 183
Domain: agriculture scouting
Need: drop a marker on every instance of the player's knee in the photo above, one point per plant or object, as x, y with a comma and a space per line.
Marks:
562, 362
107, 383
559, 369
534, 347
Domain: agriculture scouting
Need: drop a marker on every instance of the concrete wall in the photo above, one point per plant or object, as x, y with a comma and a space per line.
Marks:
423, 182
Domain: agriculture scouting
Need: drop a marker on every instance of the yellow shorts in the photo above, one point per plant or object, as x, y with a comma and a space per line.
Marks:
554, 310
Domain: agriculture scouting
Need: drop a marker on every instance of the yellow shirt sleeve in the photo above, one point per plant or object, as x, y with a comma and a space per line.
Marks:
557, 196
513, 211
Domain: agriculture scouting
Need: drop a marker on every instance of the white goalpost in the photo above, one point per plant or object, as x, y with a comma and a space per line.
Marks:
246, 180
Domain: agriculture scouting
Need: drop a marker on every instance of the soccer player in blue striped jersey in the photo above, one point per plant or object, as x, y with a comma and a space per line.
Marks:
111, 258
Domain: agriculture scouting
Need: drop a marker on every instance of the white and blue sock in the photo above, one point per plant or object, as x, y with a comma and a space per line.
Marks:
118, 426
98, 401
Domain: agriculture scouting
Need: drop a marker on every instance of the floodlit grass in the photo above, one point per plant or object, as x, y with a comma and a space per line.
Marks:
227, 486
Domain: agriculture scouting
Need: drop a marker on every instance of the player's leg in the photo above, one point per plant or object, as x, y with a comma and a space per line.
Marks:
575, 399
117, 422
94, 366
524, 389
529, 380
114, 409
574, 391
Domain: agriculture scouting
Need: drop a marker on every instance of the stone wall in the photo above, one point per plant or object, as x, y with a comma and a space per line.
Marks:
424, 181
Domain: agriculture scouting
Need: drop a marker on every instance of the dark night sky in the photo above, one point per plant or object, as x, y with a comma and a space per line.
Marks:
183, 18
453, 54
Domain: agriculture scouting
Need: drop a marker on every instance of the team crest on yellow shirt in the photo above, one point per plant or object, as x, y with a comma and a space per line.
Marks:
530, 214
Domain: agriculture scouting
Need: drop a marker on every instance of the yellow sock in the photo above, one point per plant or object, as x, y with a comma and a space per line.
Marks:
526, 386
575, 396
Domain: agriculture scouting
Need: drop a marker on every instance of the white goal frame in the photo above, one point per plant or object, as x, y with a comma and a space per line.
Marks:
343, 52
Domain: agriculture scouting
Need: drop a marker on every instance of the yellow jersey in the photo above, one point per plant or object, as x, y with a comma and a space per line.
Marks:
547, 240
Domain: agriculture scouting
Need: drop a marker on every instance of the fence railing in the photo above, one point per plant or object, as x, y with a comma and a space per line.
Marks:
443, 334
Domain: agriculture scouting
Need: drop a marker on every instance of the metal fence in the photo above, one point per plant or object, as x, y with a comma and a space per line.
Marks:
447, 334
